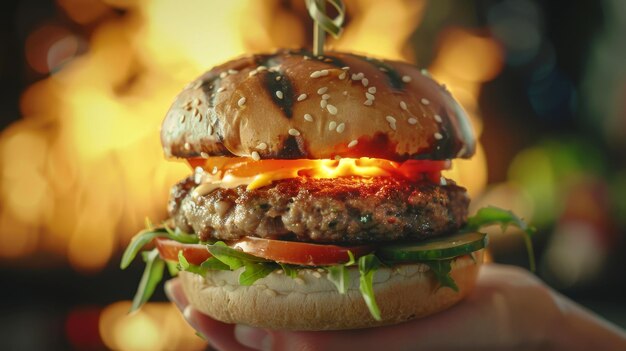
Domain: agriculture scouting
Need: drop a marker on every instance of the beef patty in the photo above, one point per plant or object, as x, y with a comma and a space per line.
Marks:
346, 210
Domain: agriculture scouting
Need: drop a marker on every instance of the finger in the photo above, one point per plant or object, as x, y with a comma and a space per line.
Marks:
220, 335
174, 292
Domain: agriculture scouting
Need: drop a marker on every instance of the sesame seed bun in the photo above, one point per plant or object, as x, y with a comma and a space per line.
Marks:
311, 301
290, 105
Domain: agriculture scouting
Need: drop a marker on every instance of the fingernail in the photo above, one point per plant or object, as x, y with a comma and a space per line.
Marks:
255, 338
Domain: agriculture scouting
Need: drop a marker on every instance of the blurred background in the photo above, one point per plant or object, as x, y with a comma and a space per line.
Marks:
85, 84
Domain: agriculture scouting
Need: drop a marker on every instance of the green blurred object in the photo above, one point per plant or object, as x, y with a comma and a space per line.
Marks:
546, 169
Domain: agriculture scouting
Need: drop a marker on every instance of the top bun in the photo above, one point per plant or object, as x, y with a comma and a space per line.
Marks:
291, 105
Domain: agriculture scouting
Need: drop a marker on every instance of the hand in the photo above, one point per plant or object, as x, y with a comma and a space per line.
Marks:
510, 309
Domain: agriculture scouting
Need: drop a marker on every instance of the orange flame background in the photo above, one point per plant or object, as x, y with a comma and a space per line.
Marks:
83, 168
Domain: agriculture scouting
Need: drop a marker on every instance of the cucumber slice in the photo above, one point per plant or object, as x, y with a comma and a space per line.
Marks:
434, 249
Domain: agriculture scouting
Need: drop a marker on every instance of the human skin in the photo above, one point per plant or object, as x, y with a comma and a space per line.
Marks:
510, 309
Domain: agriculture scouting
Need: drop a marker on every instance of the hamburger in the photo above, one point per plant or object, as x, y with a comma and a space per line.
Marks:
316, 200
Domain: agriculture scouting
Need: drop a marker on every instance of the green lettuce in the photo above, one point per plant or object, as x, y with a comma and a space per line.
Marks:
152, 275
368, 265
491, 215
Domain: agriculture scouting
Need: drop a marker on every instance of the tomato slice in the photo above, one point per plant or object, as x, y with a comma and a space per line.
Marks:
299, 253
194, 253
291, 252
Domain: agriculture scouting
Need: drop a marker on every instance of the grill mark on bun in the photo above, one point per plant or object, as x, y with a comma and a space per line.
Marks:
293, 148
394, 78
280, 91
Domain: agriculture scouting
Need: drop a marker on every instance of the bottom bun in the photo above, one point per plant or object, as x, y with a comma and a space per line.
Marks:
312, 302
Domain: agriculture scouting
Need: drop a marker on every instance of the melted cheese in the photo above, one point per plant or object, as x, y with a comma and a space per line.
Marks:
259, 174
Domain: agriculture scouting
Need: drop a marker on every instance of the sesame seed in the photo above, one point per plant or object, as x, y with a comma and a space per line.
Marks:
316, 275
306, 58
261, 68
182, 119
392, 126
323, 103
197, 102
353, 143
345, 68
299, 281
406, 79
253, 73
357, 76
403, 105
204, 155
294, 132
302, 96
316, 74
438, 136
210, 129
425, 101
278, 78
241, 101
437, 118
370, 96
325, 96
341, 127
390, 119
256, 156
443, 181
368, 102
425, 72
223, 75
279, 94
383, 69
270, 292
214, 170
221, 89
371, 90
331, 109
196, 112
262, 146
342, 76
324, 72
332, 125
273, 69
365, 82
187, 146
322, 90
232, 71
308, 117
412, 121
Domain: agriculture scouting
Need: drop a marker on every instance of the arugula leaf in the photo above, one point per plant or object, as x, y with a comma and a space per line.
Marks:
213, 263
491, 215
152, 275
145, 236
172, 268
368, 265
338, 274
140, 240
182, 261
441, 269
290, 271
180, 236
231, 257
255, 271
